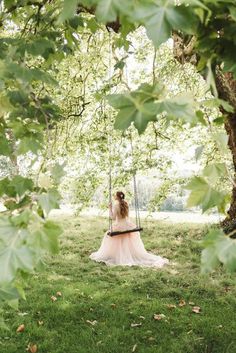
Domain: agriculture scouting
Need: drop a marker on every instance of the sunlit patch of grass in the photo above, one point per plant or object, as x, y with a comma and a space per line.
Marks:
101, 305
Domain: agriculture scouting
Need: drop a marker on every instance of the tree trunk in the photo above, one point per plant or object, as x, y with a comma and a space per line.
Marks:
226, 87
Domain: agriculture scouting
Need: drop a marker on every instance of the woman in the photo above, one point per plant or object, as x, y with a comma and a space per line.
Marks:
125, 249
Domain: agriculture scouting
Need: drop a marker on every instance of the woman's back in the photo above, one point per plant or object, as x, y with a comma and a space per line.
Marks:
119, 211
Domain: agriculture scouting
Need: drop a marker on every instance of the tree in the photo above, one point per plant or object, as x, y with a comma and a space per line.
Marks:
207, 27
35, 36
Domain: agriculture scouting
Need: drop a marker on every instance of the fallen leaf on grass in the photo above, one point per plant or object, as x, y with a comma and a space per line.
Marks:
40, 323
171, 306
134, 348
93, 323
21, 328
113, 305
142, 317
159, 317
227, 289
151, 339
53, 298
182, 303
32, 348
196, 309
23, 314
59, 294
136, 325
191, 303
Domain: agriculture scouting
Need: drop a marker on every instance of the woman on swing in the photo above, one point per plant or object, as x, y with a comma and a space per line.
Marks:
125, 249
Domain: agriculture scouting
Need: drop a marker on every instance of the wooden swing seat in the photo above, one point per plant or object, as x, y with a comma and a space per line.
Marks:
112, 234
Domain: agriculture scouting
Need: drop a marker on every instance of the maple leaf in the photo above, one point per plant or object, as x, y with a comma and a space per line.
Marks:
158, 317
53, 298
196, 309
182, 303
32, 348
93, 323
21, 328
171, 306
136, 325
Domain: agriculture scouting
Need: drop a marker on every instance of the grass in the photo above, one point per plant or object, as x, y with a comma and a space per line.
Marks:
118, 297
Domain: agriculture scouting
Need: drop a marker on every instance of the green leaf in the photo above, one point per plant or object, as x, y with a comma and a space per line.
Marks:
4, 183
21, 184
92, 25
21, 219
13, 259
68, 10
179, 107
215, 171
209, 260
5, 148
161, 17
221, 138
209, 257
142, 106
106, 10
210, 78
119, 65
46, 238
218, 248
29, 144
13, 70
58, 172
227, 252
8, 292
202, 194
40, 46
7, 230
137, 107
216, 103
198, 152
14, 304
3, 325
76, 21
49, 201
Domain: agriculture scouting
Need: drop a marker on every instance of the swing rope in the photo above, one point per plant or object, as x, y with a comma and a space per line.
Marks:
136, 200
109, 141
110, 128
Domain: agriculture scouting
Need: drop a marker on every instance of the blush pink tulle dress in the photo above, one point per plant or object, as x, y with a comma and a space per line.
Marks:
126, 249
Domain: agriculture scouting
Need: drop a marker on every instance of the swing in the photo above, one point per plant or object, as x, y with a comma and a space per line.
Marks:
138, 227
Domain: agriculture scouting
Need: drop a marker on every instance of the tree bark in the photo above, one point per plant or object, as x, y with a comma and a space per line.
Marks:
226, 87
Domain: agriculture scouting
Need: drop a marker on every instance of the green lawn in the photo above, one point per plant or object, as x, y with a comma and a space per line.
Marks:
100, 306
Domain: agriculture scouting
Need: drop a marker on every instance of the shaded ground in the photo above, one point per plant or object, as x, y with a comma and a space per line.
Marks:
110, 310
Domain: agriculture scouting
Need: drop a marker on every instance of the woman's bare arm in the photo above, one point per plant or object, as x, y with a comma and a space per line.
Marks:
112, 211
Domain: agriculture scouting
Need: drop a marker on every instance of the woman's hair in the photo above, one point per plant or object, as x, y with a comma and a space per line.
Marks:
124, 207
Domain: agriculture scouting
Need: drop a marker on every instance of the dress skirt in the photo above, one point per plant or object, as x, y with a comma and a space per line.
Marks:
126, 249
